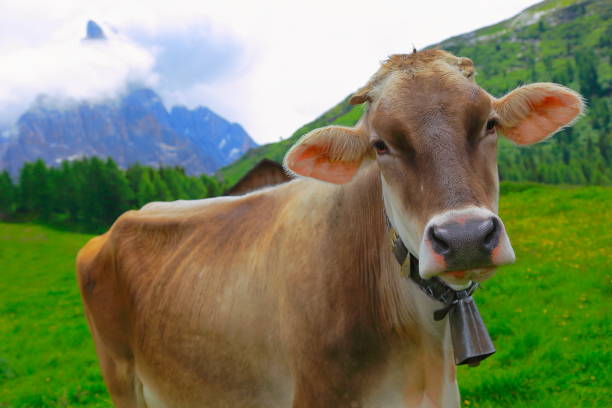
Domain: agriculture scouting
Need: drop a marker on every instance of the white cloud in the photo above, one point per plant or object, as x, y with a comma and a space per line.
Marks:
70, 68
270, 65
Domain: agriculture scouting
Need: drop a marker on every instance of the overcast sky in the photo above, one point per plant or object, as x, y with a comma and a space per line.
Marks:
270, 65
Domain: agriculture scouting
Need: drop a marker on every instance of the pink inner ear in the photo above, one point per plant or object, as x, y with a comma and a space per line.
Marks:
313, 161
546, 117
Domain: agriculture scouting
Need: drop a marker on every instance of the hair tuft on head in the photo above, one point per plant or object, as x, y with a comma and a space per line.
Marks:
419, 61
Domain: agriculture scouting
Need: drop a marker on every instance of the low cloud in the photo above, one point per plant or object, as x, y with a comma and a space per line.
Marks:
72, 69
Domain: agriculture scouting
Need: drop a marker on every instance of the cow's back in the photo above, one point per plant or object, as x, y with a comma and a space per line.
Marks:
183, 306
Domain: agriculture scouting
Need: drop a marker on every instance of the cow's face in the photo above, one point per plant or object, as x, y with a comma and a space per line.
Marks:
433, 134
435, 141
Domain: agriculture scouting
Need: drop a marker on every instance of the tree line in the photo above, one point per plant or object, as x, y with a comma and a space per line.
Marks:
89, 194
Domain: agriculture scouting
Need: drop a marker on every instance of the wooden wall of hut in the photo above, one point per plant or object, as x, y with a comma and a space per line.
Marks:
265, 173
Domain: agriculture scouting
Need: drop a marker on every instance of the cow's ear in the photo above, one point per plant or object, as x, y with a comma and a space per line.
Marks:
332, 153
534, 112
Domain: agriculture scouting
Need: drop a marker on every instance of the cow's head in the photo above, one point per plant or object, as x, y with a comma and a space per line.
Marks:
433, 133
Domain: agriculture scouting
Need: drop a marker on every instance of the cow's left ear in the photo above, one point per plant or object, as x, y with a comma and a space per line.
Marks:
331, 153
534, 112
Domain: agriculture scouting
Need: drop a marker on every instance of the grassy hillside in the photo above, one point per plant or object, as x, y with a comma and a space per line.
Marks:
548, 314
563, 41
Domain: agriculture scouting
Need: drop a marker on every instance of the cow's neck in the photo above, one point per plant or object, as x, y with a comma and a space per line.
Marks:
418, 346
400, 307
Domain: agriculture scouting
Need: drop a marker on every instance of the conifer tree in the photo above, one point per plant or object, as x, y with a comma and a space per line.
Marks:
213, 187
587, 73
196, 189
134, 174
7, 195
117, 192
146, 190
176, 180
162, 193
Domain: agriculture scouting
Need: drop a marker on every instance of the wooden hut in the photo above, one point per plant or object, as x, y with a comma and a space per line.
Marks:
265, 173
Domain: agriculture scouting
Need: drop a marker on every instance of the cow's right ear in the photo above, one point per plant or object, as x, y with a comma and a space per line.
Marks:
331, 153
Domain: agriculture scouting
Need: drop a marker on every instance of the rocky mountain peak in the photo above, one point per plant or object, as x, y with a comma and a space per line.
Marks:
94, 31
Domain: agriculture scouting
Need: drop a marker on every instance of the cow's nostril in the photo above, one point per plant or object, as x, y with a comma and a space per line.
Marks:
438, 240
491, 233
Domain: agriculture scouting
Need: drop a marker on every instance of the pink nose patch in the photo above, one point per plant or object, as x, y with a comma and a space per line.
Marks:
436, 257
495, 254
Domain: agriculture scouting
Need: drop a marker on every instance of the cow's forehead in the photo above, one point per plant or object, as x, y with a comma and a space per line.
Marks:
414, 98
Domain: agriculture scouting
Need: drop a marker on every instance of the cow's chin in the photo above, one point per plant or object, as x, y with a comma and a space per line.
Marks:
461, 279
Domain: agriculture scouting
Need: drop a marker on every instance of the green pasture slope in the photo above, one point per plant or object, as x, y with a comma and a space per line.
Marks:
548, 314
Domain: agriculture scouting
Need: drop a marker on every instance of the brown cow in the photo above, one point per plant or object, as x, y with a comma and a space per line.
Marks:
291, 296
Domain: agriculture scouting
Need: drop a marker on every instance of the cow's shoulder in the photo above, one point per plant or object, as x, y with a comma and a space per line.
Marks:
91, 262
100, 287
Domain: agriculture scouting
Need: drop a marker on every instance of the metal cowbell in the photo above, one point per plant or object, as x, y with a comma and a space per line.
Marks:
471, 340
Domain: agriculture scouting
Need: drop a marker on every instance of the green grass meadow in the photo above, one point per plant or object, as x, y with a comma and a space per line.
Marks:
548, 314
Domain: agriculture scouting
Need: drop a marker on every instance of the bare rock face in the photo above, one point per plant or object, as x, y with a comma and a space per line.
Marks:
134, 128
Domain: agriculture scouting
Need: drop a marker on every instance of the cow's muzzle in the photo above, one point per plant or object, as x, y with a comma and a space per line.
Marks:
465, 243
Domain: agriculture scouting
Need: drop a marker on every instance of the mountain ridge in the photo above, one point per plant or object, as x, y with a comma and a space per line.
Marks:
135, 127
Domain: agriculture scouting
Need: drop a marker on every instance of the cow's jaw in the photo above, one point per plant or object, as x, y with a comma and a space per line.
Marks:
456, 268
405, 224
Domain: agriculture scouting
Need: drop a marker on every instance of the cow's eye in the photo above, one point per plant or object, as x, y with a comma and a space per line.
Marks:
380, 147
491, 125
